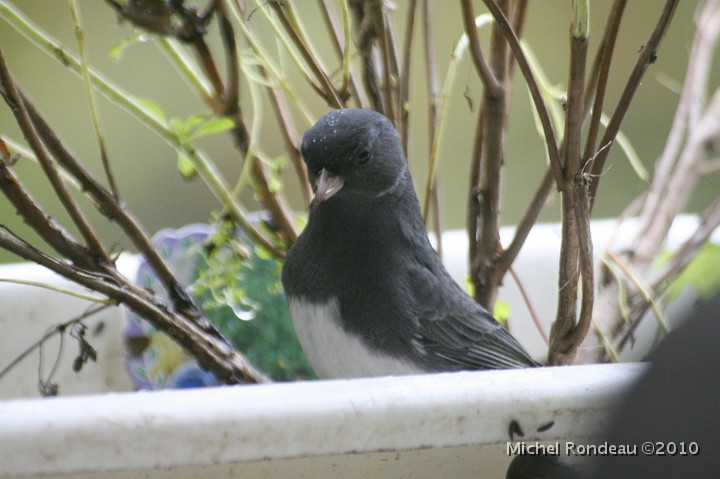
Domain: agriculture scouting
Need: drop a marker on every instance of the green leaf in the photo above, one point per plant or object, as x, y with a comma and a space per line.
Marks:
702, 274
186, 167
243, 297
630, 153
194, 120
274, 183
118, 50
501, 311
153, 108
262, 253
179, 128
213, 127
469, 286
301, 222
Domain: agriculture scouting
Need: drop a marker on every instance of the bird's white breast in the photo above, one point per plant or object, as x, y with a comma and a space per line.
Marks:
335, 353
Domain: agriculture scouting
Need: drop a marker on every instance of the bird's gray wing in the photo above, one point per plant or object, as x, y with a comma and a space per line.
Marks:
455, 328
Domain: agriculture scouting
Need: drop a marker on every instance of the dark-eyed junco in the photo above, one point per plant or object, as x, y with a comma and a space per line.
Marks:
368, 294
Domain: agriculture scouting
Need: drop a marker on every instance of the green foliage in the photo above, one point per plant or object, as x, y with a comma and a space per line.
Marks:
501, 311
185, 166
117, 52
241, 294
191, 129
186, 131
275, 168
701, 274
198, 126
555, 97
152, 108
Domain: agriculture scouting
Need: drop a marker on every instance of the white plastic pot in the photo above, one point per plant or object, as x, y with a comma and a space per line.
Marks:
443, 425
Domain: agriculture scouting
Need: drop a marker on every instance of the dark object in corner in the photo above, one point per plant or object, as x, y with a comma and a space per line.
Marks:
676, 402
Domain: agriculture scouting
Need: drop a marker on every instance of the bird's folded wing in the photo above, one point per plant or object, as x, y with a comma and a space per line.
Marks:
453, 326
473, 343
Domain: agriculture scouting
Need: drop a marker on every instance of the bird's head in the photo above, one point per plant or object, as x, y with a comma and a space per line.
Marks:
353, 153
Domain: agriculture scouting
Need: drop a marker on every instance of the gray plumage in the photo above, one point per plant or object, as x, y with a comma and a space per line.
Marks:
365, 259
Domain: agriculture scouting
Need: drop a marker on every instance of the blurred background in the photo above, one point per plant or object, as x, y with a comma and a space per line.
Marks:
145, 166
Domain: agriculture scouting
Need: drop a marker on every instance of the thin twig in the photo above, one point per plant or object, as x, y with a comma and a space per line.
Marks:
388, 58
675, 176
60, 289
288, 18
538, 101
647, 56
342, 42
431, 78
489, 155
47, 228
404, 80
109, 206
230, 96
529, 305
12, 98
523, 228
576, 245
57, 329
585, 254
709, 222
519, 15
641, 286
272, 201
212, 352
606, 54
291, 139
438, 106
473, 211
207, 171
490, 82
91, 99
366, 25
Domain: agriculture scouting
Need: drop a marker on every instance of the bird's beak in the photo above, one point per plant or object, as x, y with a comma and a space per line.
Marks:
326, 186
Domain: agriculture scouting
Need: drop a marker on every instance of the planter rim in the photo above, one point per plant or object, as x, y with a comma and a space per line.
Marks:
158, 429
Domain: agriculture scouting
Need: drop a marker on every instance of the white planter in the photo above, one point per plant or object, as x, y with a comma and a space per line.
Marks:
28, 312
444, 425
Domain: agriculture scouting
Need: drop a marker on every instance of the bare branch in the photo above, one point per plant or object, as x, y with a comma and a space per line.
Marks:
341, 44
605, 55
367, 14
50, 230
230, 95
91, 99
404, 73
290, 137
647, 56
709, 222
12, 98
286, 14
489, 80
676, 174
585, 253
431, 78
540, 107
58, 329
212, 352
566, 335
108, 205
537, 203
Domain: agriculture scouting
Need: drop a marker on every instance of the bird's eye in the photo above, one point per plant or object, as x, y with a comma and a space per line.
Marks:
363, 157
